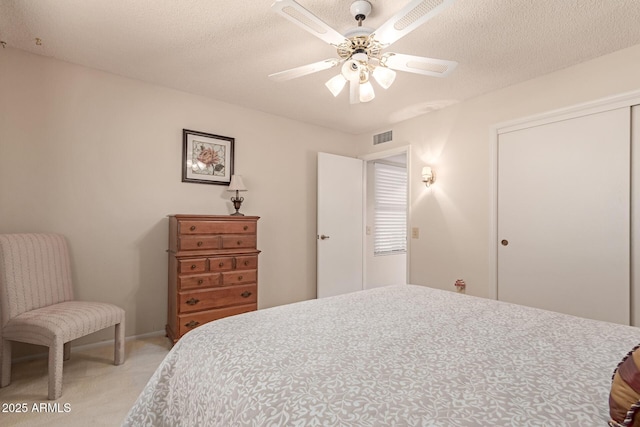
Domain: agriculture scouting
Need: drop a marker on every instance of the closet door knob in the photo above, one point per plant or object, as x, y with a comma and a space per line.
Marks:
504, 242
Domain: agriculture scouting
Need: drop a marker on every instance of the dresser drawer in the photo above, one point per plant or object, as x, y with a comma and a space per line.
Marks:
238, 277
192, 265
246, 262
217, 227
187, 322
188, 243
216, 298
199, 281
221, 264
239, 241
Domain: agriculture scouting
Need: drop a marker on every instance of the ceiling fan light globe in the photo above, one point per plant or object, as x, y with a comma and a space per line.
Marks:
384, 76
366, 92
335, 84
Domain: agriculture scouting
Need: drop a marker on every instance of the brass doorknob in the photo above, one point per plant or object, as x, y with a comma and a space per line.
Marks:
323, 237
504, 242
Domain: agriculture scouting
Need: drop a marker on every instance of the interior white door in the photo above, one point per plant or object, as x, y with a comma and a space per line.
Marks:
340, 212
563, 216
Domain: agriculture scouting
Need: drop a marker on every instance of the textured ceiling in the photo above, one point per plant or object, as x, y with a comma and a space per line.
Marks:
224, 49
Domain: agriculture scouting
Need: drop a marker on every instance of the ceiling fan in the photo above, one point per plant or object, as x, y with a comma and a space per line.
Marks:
360, 49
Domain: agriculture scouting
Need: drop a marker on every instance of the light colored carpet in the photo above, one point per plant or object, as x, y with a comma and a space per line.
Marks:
95, 392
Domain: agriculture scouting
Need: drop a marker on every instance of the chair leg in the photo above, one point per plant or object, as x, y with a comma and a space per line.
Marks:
118, 350
5, 358
67, 350
56, 356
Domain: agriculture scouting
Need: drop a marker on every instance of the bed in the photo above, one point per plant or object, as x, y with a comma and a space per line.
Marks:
402, 355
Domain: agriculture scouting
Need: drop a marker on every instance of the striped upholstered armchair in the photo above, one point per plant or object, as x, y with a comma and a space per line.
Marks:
37, 305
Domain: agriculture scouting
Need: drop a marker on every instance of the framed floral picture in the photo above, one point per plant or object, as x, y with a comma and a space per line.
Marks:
206, 158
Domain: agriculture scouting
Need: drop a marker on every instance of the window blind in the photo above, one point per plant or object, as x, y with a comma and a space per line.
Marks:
390, 209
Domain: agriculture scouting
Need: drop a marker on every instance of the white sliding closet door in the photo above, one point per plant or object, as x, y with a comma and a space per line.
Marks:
635, 215
564, 216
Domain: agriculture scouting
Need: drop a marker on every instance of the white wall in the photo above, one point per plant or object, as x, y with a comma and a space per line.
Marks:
97, 157
454, 215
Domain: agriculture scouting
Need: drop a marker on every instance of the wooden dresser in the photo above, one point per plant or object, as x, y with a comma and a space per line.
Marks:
213, 269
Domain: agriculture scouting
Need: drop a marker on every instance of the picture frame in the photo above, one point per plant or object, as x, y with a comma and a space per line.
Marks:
207, 158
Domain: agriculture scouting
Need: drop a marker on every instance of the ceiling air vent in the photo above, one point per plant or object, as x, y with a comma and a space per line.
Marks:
382, 137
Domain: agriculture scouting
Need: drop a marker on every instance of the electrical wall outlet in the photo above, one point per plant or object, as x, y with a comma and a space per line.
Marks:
415, 233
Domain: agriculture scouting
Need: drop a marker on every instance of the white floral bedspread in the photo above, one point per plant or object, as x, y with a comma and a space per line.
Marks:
397, 356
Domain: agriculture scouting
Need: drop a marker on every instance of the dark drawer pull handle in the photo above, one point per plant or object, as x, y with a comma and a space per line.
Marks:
246, 263
191, 324
199, 243
200, 282
239, 242
221, 264
245, 294
193, 227
239, 277
193, 301
245, 228
193, 266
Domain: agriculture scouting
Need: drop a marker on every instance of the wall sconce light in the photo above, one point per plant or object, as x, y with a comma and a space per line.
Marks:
428, 176
237, 185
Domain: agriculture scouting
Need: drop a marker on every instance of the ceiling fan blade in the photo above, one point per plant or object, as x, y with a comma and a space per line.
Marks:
414, 14
304, 70
300, 16
354, 91
419, 64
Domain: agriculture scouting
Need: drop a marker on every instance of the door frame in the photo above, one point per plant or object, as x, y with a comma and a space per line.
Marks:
627, 99
406, 149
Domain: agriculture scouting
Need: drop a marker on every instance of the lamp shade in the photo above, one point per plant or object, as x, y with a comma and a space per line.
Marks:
236, 184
